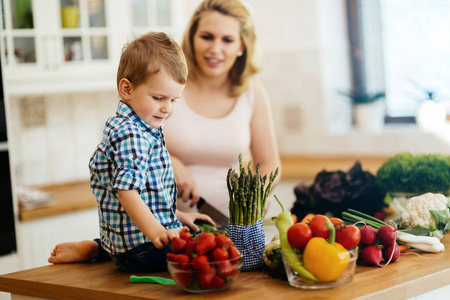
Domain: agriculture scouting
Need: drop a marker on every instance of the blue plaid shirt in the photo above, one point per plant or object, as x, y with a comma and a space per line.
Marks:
131, 156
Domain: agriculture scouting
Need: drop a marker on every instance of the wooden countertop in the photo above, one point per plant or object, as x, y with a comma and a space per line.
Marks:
410, 276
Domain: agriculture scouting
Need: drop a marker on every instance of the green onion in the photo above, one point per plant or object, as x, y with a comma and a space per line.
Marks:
413, 239
350, 218
365, 216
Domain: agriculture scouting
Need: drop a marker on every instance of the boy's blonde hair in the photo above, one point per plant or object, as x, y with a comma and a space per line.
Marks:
147, 55
245, 66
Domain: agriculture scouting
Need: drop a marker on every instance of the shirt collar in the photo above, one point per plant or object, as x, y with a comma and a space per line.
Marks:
125, 111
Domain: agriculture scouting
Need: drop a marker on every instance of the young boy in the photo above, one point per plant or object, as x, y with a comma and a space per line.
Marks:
131, 171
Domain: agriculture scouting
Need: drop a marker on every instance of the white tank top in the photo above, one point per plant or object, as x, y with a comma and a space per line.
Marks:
210, 146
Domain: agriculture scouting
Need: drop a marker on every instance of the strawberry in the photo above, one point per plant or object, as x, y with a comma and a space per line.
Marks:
201, 263
222, 232
205, 242
225, 269
183, 261
234, 253
217, 283
182, 278
171, 256
219, 254
223, 241
205, 279
178, 245
190, 248
185, 235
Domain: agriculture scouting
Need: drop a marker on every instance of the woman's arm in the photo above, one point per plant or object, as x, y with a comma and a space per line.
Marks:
186, 185
144, 219
263, 146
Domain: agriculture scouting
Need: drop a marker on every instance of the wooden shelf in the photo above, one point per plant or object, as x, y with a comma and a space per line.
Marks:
69, 197
77, 196
309, 166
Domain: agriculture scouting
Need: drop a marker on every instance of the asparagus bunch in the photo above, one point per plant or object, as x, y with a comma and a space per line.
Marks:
248, 193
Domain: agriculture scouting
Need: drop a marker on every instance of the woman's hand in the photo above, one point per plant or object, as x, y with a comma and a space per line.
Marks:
188, 219
186, 185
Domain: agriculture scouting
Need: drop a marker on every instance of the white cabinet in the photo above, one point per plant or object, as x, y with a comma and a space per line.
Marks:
9, 263
36, 238
72, 45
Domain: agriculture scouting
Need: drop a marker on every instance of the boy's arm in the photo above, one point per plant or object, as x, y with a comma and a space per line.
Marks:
144, 219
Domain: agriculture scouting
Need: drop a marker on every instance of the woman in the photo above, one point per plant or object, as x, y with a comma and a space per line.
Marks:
225, 111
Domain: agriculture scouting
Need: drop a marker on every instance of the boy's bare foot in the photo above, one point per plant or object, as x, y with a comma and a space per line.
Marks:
71, 252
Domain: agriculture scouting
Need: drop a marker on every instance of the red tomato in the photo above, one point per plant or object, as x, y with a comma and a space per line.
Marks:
318, 227
338, 223
298, 235
348, 237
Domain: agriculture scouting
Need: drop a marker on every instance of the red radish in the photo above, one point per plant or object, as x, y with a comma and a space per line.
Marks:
371, 255
379, 215
387, 252
387, 235
368, 235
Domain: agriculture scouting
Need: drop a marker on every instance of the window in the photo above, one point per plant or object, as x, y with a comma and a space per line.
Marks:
401, 47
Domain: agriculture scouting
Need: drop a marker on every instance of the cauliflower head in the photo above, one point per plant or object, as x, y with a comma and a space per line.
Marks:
417, 213
269, 251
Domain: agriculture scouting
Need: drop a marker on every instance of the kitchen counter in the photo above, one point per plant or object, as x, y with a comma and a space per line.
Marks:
410, 276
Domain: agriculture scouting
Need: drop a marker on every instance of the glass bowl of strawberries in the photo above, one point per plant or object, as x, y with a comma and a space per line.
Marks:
208, 262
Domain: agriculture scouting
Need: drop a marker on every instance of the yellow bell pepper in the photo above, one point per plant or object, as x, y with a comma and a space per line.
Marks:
326, 260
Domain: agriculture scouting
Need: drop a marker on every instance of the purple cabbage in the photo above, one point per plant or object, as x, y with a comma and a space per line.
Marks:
332, 193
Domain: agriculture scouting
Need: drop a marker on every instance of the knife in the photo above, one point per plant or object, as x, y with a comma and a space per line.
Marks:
219, 218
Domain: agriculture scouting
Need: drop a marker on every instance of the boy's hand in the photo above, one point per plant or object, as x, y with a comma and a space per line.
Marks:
163, 238
188, 219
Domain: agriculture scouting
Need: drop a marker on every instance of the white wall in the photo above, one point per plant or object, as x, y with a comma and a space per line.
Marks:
305, 62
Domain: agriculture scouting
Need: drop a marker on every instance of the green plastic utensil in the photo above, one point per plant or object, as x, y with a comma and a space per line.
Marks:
151, 279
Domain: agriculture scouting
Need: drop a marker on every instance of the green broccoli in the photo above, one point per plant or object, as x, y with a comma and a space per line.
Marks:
421, 173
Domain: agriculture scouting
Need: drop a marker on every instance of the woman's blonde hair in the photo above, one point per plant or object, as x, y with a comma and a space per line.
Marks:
245, 65
147, 55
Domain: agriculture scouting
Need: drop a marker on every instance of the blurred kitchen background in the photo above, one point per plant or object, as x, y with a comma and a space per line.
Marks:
348, 80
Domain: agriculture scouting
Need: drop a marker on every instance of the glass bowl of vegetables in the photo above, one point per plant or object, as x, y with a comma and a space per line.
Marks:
205, 276
332, 271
